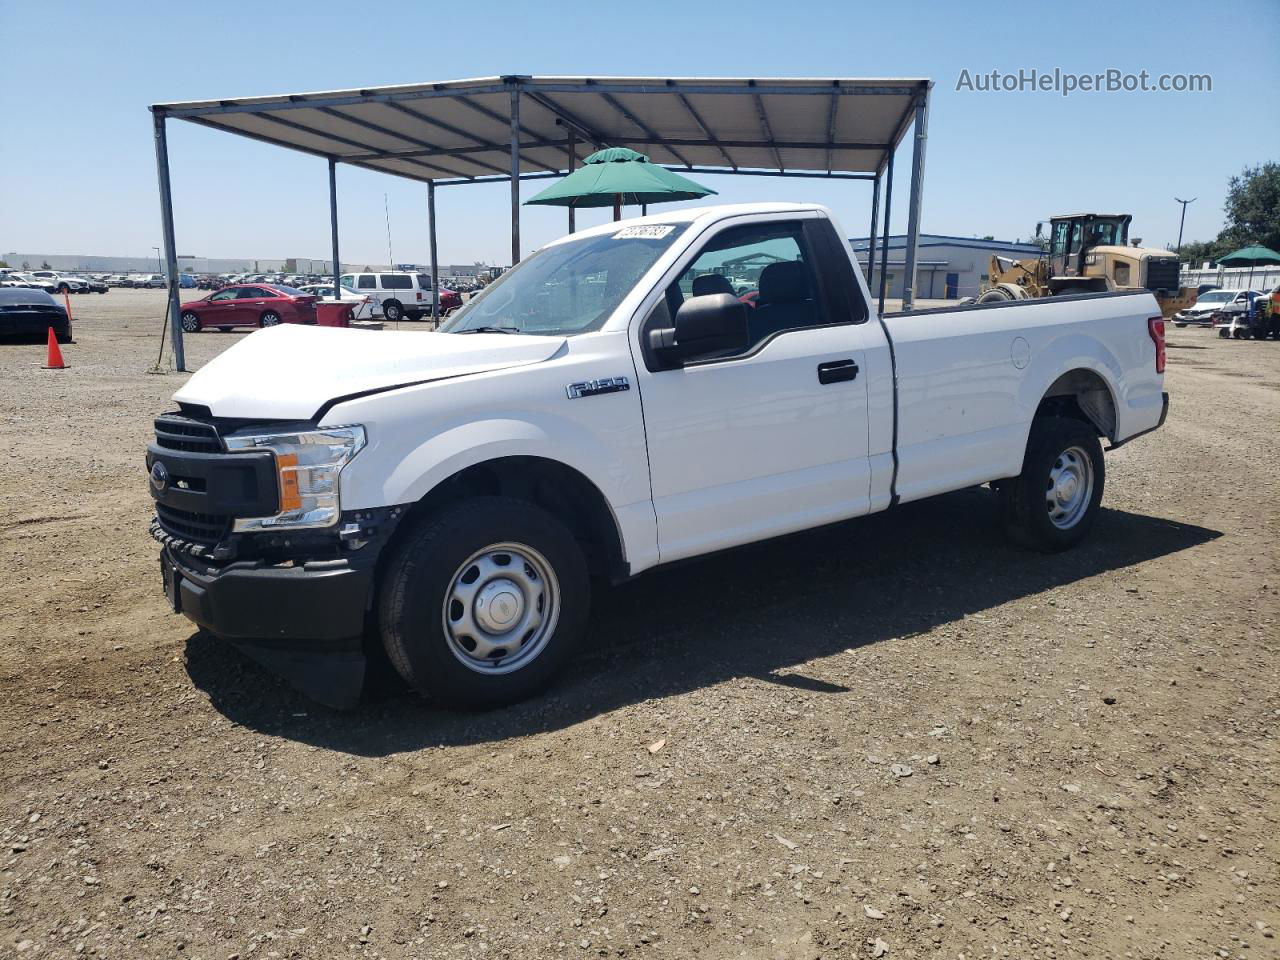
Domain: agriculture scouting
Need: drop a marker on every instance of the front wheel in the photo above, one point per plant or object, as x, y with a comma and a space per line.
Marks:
484, 603
190, 323
269, 319
1054, 502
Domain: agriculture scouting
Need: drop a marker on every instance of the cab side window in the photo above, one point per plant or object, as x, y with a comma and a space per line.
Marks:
769, 267
367, 281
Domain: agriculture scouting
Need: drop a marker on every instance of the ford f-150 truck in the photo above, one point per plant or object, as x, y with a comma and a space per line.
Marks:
611, 404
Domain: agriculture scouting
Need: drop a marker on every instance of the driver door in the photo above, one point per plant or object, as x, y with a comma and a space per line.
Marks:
774, 438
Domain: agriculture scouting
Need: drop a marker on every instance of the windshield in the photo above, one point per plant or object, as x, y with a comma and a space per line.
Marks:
1217, 296
570, 287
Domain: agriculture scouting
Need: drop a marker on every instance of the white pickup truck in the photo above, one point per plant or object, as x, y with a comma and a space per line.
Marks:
611, 404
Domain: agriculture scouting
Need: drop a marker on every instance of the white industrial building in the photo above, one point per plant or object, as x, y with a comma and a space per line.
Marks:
947, 267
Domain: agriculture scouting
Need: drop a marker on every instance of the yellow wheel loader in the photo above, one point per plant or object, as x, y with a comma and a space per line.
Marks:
1090, 253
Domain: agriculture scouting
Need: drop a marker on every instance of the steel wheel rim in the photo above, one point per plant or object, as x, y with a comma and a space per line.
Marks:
501, 608
1070, 489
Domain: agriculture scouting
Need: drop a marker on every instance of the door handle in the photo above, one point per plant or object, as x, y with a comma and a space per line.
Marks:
837, 371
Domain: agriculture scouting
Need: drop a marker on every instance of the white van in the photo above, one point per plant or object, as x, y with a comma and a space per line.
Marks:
395, 295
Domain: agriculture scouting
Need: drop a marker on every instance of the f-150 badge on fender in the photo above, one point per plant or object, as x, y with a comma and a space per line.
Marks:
593, 388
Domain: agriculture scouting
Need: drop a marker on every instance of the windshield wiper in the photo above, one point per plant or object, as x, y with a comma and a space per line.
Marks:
490, 330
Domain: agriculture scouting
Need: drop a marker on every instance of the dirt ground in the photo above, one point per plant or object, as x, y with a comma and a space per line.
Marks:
900, 737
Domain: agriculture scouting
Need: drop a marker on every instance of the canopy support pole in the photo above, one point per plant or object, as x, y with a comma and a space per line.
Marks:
884, 244
170, 244
573, 163
913, 204
515, 175
333, 228
435, 266
871, 237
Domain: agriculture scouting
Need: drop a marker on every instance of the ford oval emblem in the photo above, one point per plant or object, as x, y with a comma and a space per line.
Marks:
159, 477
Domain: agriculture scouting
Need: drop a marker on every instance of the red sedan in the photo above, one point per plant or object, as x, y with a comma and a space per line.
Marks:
256, 305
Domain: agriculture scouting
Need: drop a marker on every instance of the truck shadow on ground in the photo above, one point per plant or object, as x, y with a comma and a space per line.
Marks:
750, 612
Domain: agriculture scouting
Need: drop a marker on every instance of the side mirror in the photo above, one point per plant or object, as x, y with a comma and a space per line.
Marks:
714, 323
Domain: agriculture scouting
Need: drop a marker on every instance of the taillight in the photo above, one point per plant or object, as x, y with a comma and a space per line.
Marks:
1155, 327
419, 296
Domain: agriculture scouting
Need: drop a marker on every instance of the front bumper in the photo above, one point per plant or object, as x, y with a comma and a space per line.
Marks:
305, 621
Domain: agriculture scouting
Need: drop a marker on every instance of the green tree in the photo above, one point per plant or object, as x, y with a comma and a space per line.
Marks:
1253, 208
1196, 252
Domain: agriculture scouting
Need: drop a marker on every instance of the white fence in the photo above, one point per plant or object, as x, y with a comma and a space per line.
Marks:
1233, 278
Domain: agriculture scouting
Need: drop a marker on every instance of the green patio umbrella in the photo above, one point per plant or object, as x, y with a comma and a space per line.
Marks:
1252, 256
614, 176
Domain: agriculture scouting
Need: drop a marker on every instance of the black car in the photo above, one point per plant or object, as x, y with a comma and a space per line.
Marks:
28, 314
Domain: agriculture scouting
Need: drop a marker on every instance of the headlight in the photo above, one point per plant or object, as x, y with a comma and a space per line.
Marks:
307, 465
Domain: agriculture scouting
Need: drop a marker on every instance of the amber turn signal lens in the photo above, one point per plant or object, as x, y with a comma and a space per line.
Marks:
287, 468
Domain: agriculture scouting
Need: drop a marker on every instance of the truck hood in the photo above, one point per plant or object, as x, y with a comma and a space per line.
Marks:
289, 372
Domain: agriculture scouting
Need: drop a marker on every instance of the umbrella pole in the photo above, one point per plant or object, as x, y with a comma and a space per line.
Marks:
617, 207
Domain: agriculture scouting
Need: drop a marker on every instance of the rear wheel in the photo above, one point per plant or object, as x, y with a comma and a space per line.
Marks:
1054, 502
224, 329
392, 311
484, 603
190, 322
269, 319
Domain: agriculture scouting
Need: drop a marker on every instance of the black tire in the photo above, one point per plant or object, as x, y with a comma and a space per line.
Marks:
1224, 333
413, 314
439, 551
1179, 325
1056, 444
190, 322
392, 311
224, 329
269, 319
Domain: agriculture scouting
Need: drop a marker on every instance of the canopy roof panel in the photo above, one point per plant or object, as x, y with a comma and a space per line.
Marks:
461, 130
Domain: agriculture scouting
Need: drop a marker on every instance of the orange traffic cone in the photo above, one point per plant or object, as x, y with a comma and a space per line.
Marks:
67, 297
55, 354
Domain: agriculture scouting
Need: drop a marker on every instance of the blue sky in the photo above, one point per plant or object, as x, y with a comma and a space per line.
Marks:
78, 167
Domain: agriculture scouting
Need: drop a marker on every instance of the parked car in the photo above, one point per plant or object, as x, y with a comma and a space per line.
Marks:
154, 281
455, 494
27, 314
257, 305
397, 295
60, 282
15, 278
93, 285
1209, 305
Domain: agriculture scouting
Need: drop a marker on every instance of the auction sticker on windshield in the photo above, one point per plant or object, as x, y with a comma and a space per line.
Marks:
649, 231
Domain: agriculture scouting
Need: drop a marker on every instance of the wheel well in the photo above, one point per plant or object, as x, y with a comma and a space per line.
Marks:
560, 490
1082, 395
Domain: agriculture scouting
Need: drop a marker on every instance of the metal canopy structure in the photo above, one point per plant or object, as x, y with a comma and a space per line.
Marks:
513, 128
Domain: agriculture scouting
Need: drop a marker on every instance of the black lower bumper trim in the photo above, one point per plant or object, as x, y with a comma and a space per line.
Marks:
1164, 415
320, 605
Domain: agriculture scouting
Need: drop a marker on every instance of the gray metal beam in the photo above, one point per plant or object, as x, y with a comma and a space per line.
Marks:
584, 129
459, 132
338, 138
435, 262
648, 131
831, 130
538, 139
768, 131
871, 237
572, 163
799, 174
342, 98
706, 130
333, 229
388, 132
515, 175
884, 243
170, 244
915, 201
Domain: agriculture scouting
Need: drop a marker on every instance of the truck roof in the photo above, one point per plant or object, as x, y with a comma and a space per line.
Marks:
710, 212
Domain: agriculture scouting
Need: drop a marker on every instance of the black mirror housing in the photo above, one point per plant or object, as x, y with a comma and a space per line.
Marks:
714, 323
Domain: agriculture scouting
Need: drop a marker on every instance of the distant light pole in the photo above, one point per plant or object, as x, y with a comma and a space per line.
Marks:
158, 263
1183, 221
